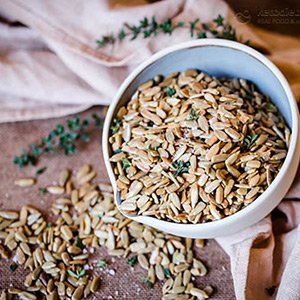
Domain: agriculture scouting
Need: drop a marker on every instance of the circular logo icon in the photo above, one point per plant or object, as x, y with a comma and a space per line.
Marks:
244, 16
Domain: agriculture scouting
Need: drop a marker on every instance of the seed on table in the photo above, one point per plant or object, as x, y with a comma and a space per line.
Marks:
25, 248
95, 284
78, 293
25, 182
186, 277
36, 273
53, 296
9, 215
159, 272
74, 250
19, 236
27, 296
143, 261
66, 232
20, 256
3, 252
110, 240
55, 190
63, 177
83, 171
87, 289
86, 178
200, 294
67, 218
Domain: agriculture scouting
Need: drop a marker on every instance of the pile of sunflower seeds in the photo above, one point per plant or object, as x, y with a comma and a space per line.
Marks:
57, 253
190, 148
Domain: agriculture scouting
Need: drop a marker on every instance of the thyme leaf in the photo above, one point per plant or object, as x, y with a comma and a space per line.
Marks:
193, 115
170, 91
147, 281
180, 167
249, 140
101, 264
132, 260
125, 163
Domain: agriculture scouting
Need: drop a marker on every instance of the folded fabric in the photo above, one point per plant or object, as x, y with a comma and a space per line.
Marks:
53, 67
56, 59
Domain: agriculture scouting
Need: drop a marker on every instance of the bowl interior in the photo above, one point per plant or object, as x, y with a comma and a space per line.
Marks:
218, 61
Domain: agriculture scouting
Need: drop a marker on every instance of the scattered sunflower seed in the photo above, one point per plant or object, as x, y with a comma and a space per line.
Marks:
57, 253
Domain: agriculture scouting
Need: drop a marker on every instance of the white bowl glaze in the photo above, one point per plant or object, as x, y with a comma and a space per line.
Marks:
219, 58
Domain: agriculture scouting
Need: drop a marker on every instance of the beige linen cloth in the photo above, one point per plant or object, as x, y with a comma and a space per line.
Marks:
53, 67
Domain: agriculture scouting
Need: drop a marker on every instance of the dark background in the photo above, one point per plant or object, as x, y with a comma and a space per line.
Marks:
283, 24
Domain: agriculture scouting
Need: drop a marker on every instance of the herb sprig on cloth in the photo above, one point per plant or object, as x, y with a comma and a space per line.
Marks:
62, 137
148, 27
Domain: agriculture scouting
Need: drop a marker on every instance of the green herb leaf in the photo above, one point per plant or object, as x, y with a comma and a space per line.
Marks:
117, 151
219, 20
71, 273
193, 27
132, 260
79, 273
125, 163
201, 35
147, 281
43, 190
249, 140
40, 171
97, 120
121, 34
13, 267
106, 40
101, 264
193, 115
78, 243
180, 167
115, 126
167, 272
170, 91
270, 107
166, 27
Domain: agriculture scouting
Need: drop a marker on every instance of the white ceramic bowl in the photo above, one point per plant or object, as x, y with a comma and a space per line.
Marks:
219, 58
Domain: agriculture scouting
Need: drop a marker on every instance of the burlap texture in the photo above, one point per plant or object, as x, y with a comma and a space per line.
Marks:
127, 281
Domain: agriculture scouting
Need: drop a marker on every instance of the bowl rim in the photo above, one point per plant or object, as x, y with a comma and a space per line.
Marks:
281, 174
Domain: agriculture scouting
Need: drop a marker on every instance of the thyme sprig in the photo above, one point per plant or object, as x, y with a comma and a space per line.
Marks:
62, 137
148, 27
